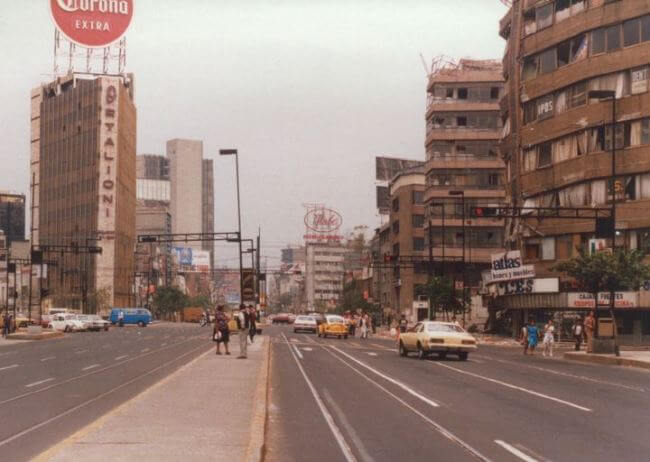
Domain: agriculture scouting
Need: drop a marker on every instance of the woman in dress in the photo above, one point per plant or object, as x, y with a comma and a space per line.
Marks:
221, 334
533, 335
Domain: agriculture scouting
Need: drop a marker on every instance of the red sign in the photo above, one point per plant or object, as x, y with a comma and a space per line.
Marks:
92, 23
323, 220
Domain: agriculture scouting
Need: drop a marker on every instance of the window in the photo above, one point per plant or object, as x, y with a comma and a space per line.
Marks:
625, 188
645, 131
547, 61
395, 250
532, 251
631, 32
396, 227
620, 136
417, 197
450, 93
638, 80
544, 16
598, 41
545, 154
645, 28
418, 244
396, 204
613, 34
529, 70
418, 221
578, 95
530, 111
461, 121
494, 93
462, 93
564, 53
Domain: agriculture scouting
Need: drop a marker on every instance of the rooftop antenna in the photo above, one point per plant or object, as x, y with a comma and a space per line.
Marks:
424, 64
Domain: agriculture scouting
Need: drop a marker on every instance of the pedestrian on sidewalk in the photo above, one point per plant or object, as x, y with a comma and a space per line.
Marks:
533, 336
403, 324
5, 326
252, 330
221, 333
577, 333
243, 325
549, 338
524, 338
364, 326
590, 325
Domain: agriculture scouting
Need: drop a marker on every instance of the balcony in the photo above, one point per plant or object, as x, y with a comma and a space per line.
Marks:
459, 105
456, 161
450, 133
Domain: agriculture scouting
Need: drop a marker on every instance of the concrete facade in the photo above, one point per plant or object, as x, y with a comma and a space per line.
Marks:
324, 273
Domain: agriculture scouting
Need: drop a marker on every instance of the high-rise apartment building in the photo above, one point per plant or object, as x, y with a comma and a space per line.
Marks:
324, 273
463, 127
12, 216
83, 141
558, 150
207, 198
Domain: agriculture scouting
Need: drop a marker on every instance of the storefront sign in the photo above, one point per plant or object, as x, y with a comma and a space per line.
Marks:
507, 266
527, 286
639, 80
92, 23
321, 220
586, 300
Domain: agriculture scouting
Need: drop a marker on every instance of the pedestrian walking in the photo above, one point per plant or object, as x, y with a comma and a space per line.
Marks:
403, 324
549, 338
524, 338
364, 326
590, 325
533, 336
577, 333
252, 329
352, 323
221, 333
5, 326
243, 325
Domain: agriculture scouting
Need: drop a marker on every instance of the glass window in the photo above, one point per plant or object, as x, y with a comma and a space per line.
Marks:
544, 16
545, 154
563, 53
530, 112
547, 61
418, 244
645, 131
645, 28
418, 197
418, 221
529, 70
494, 92
461, 121
613, 34
578, 95
631, 32
598, 41
396, 227
462, 93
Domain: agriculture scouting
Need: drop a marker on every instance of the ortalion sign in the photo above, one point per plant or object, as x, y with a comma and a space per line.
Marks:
92, 23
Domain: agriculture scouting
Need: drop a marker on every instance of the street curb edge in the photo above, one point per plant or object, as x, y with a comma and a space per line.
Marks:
257, 443
606, 360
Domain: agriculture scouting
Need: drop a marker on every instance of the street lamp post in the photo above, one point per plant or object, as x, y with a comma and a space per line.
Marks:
231, 152
461, 193
605, 95
442, 208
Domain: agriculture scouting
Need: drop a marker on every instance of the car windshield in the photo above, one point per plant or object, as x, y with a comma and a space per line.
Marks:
444, 328
335, 320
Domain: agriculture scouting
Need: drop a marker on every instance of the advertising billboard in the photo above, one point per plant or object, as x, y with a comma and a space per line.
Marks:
249, 285
387, 167
200, 260
383, 199
507, 266
92, 23
586, 300
183, 255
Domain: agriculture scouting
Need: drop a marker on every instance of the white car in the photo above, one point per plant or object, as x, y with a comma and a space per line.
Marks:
68, 322
305, 324
95, 322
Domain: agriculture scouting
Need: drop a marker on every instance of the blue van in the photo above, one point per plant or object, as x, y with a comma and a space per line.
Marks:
139, 316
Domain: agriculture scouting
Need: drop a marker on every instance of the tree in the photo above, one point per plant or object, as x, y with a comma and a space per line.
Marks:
607, 272
442, 296
169, 300
353, 299
202, 301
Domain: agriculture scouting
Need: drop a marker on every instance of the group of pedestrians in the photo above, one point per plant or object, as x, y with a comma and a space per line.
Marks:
246, 320
363, 323
581, 330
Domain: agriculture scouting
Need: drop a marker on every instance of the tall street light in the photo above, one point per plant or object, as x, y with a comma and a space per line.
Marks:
461, 193
233, 152
605, 95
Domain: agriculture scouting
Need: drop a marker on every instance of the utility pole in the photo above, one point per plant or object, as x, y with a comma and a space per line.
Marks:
257, 276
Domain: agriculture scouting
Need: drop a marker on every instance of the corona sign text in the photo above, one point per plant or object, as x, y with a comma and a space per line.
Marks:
92, 23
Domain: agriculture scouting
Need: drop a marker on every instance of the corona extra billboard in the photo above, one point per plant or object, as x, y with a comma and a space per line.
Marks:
92, 23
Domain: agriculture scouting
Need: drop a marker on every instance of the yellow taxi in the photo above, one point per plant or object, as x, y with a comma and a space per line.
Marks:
437, 337
333, 325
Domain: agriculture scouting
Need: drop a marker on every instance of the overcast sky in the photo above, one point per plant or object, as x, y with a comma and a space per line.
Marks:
309, 91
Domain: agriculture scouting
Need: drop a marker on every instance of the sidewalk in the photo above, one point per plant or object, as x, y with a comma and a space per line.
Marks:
213, 408
628, 358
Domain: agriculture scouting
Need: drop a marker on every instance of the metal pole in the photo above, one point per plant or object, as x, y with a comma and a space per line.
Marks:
612, 293
7, 286
257, 278
40, 298
241, 263
442, 266
462, 197
430, 269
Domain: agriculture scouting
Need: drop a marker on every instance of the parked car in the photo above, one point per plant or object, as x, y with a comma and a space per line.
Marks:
437, 337
305, 324
96, 323
319, 317
334, 325
281, 318
139, 316
68, 322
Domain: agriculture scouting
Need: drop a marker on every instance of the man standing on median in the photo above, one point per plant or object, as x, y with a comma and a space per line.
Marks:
243, 325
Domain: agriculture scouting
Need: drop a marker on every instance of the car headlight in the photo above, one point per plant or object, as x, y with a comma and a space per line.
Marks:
469, 342
436, 340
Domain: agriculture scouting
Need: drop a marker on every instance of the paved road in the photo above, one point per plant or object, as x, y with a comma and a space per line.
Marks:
50, 389
358, 400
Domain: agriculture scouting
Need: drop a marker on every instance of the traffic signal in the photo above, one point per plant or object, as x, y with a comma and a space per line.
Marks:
388, 258
482, 212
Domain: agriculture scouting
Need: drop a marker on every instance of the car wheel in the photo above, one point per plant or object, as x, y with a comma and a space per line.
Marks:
106, 327
442, 355
463, 355
66, 329
421, 353
339, 337
141, 323
402, 350
345, 336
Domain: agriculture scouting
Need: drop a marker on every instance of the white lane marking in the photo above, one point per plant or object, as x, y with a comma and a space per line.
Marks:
297, 351
48, 358
8, 367
106, 345
403, 386
92, 400
515, 451
121, 357
566, 374
294, 340
338, 436
476, 361
371, 354
307, 349
80, 351
363, 452
92, 366
446, 433
39, 382
163, 344
144, 349
515, 387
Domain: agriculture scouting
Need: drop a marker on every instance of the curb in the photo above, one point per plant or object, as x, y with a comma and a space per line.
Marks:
256, 445
606, 360
41, 336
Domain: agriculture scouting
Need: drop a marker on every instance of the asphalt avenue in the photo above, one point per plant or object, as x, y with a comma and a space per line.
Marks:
50, 389
357, 400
